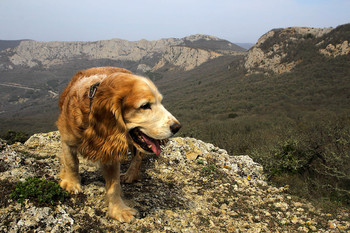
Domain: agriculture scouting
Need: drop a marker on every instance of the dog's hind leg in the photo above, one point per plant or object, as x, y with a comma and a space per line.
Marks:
70, 179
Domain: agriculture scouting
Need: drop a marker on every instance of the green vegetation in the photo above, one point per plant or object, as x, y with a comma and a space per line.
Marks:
208, 169
312, 157
13, 136
299, 131
297, 125
154, 76
39, 191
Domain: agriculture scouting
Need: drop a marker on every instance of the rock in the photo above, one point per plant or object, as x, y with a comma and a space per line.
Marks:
43, 140
337, 50
192, 155
143, 68
281, 205
176, 194
185, 57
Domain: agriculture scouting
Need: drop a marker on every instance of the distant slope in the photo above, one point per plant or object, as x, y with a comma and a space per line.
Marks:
280, 50
211, 43
147, 54
9, 44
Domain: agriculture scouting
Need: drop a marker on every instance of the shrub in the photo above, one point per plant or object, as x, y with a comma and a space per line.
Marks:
309, 36
42, 191
154, 76
14, 136
208, 170
312, 158
289, 157
232, 115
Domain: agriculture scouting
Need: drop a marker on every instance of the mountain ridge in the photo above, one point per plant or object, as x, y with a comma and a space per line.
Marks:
36, 54
276, 51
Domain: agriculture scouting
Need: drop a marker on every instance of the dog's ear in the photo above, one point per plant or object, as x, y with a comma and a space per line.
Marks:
105, 138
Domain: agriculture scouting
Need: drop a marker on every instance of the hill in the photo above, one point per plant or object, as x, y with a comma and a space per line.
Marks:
295, 123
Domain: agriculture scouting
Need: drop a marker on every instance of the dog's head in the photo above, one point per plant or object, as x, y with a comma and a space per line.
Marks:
127, 109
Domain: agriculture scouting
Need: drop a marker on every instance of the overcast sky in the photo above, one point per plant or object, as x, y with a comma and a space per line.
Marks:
233, 20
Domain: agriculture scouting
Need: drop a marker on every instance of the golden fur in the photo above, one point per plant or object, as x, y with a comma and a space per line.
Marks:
124, 114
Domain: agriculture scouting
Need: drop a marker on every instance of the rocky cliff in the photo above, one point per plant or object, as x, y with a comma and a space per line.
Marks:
269, 53
192, 187
149, 54
185, 57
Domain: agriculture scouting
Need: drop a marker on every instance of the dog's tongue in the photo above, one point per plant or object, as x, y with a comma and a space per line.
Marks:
154, 143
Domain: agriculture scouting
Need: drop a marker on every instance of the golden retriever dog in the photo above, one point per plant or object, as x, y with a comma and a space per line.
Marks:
104, 113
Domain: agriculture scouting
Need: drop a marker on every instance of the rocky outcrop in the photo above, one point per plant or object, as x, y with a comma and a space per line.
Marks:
268, 53
259, 61
185, 57
34, 53
192, 187
336, 50
149, 54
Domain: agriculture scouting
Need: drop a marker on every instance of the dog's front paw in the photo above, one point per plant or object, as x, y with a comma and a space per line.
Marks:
124, 214
129, 177
71, 187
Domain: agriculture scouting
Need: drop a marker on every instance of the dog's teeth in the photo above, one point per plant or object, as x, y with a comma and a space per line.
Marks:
149, 146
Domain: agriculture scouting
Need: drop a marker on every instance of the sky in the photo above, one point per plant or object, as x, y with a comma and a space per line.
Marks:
242, 21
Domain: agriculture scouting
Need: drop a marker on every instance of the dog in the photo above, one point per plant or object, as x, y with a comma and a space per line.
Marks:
104, 113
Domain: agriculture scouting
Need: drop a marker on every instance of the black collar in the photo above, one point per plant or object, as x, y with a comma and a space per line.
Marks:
92, 92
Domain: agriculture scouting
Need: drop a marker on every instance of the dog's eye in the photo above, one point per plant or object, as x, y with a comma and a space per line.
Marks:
146, 106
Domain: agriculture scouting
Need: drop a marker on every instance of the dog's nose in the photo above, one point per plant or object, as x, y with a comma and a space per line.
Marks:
175, 128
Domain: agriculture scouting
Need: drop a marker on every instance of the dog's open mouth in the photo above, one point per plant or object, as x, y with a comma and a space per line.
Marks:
145, 142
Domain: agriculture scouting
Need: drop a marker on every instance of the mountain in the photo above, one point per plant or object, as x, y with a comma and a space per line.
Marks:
145, 55
280, 50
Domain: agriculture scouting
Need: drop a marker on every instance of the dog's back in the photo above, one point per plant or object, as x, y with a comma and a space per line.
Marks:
83, 74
